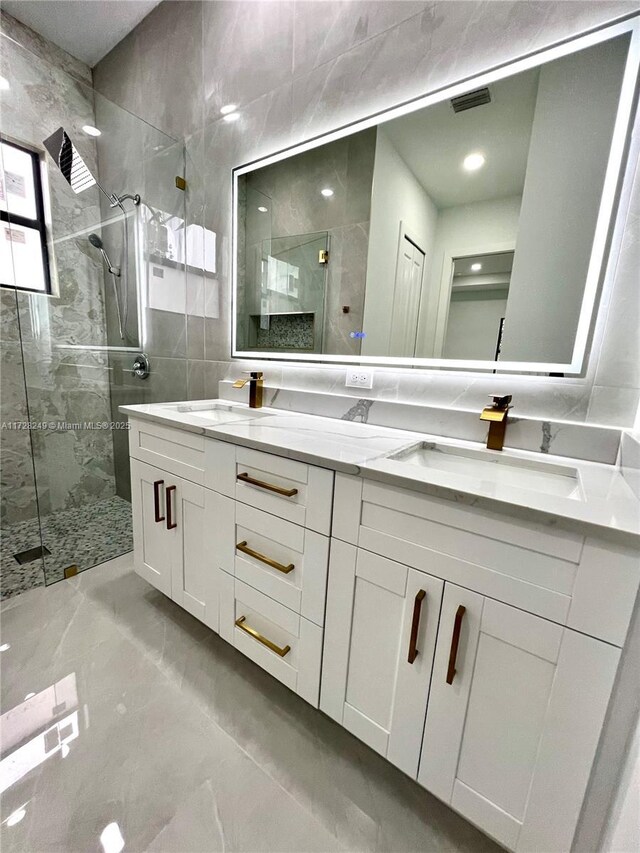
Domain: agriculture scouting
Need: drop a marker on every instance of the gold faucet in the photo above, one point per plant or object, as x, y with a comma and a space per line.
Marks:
255, 387
496, 414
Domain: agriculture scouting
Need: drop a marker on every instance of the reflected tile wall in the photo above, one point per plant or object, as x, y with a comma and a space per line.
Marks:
297, 69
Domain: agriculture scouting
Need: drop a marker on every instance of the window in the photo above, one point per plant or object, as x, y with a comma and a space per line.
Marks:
24, 260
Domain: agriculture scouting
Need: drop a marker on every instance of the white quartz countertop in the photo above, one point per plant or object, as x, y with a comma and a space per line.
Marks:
602, 497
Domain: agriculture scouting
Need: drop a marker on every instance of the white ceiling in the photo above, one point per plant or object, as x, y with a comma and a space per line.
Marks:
434, 141
87, 29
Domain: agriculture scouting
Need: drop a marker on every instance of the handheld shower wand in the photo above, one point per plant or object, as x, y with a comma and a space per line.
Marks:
96, 242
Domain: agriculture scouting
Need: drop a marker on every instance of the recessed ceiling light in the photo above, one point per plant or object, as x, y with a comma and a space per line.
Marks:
5, 647
327, 192
228, 108
29, 696
476, 267
90, 130
473, 161
4, 83
232, 116
263, 209
15, 817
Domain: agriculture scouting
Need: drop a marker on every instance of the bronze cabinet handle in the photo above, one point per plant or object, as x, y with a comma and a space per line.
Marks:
170, 522
281, 652
415, 624
156, 500
242, 546
455, 642
279, 490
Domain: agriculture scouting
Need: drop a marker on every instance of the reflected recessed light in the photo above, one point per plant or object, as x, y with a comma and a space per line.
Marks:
229, 108
476, 267
232, 116
29, 696
4, 83
327, 192
5, 647
263, 209
90, 130
473, 161
15, 817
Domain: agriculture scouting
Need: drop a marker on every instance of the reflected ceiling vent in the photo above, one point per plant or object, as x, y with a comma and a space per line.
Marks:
471, 99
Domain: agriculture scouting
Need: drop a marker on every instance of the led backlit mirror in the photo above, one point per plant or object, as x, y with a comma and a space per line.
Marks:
467, 229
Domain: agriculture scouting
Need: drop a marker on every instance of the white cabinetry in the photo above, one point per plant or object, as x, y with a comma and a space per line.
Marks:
476, 650
514, 699
168, 533
511, 700
381, 629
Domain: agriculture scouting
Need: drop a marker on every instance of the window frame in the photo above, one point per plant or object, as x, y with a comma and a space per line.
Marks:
38, 224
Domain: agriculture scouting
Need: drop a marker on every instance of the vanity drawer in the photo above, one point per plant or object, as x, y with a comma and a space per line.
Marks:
288, 489
174, 450
281, 559
282, 642
522, 563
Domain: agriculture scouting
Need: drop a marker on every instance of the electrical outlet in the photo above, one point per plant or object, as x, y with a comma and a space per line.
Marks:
359, 377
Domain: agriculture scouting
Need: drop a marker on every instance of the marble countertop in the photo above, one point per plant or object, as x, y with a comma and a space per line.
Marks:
602, 499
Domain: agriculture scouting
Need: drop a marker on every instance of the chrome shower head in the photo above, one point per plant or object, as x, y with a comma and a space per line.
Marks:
76, 171
69, 161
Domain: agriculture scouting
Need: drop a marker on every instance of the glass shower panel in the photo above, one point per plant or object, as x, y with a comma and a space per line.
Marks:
21, 563
289, 310
75, 360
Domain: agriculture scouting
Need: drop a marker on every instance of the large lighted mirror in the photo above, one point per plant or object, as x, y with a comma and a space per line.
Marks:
464, 230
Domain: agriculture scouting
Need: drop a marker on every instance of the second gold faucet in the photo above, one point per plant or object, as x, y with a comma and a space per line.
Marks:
496, 414
256, 386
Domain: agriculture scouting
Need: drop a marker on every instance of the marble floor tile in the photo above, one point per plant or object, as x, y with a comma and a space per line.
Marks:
125, 720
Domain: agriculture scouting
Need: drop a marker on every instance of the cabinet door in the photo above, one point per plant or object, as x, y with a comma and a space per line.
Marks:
511, 717
380, 634
193, 572
153, 543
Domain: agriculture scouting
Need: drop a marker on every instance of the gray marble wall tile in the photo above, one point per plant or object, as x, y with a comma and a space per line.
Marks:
324, 30
156, 71
247, 51
44, 49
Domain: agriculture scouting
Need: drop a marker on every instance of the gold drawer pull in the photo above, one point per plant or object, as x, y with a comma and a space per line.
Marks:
253, 633
279, 490
242, 546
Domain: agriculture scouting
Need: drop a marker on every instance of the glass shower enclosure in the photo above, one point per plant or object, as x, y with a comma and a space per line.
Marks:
71, 356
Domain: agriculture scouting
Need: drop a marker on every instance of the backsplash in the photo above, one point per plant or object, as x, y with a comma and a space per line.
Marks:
367, 57
579, 441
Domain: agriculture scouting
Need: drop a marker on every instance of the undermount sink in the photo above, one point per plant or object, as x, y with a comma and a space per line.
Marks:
495, 468
215, 412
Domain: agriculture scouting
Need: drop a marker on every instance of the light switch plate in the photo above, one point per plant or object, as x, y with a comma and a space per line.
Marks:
359, 377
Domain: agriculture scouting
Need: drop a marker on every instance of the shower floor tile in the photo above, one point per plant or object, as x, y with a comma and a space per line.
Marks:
83, 536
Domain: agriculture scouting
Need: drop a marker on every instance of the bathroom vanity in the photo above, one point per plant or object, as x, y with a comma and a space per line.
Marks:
461, 611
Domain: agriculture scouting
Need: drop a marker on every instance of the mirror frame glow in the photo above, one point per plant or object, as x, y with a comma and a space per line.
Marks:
603, 223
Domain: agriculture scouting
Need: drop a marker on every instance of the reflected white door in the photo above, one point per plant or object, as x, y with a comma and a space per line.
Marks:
406, 299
